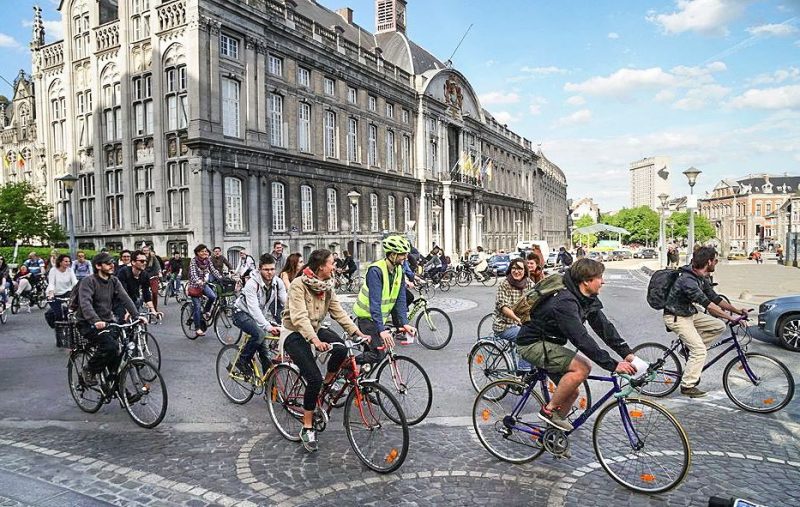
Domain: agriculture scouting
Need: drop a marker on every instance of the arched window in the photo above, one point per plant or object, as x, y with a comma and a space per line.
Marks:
307, 208
333, 211
390, 210
278, 207
175, 85
234, 216
233, 254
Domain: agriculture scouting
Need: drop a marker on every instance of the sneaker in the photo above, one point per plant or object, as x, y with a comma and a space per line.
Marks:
552, 418
309, 439
692, 392
408, 339
89, 379
199, 332
245, 369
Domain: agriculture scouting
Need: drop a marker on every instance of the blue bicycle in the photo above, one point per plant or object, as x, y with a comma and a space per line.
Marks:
645, 449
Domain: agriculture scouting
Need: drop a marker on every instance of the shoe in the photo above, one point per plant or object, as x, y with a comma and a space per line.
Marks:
552, 418
199, 332
89, 379
309, 439
408, 339
245, 369
692, 392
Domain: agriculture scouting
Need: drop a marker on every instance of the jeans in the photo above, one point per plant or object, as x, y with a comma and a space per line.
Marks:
510, 334
371, 353
300, 351
4, 290
174, 286
106, 349
199, 323
255, 342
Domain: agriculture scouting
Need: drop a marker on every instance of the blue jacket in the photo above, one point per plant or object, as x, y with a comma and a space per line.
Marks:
375, 286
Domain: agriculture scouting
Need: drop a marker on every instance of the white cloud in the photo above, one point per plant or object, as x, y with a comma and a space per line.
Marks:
783, 97
613, 35
504, 117
7, 41
623, 82
708, 17
777, 77
698, 98
498, 98
535, 107
576, 100
489, 63
773, 30
543, 70
577, 118
664, 96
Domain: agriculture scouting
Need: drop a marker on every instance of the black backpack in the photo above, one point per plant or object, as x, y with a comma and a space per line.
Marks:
661, 283
566, 258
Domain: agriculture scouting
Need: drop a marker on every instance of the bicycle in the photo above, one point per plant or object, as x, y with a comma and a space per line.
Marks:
646, 451
171, 287
425, 287
438, 330
236, 386
3, 313
146, 342
219, 317
746, 378
465, 274
381, 445
136, 383
345, 285
35, 297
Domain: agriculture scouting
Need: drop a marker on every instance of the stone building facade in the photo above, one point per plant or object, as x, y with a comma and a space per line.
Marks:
243, 123
23, 158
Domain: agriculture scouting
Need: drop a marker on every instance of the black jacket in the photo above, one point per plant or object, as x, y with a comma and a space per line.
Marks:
135, 287
561, 318
690, 288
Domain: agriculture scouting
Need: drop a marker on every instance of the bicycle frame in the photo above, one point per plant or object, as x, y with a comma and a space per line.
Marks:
734, 346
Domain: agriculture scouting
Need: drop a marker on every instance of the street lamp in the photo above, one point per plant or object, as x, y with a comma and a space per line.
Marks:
662, 230
479, 222
436, 210
691, 203
68, 183
354, 196
518, 224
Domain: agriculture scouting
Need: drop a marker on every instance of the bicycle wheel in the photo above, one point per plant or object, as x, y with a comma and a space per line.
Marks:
355, 284
151, 350
463, 278
668, 377
145, 400
15, 304
487, 362
233, 383
284, 393
582, 403
490, 280
224, 329
508, 432
187, 320
3, 314
772, 390
648, 452
41, 303
434, 328
369, 415
485, 327
87, 398
408, 381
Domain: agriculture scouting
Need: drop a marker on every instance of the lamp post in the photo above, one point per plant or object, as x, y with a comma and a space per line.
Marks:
691, 203
479, 221
354, 196
436, 210
518, 224
68, 183
662, 230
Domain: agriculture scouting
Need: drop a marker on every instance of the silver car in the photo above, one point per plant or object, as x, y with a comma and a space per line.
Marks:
780, 317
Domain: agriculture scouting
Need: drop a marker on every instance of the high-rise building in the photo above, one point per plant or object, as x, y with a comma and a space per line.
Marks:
649, 179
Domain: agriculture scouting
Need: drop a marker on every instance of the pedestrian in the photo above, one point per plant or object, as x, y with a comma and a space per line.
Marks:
153, 272
580, 252
81, 267
277, 254
535, 271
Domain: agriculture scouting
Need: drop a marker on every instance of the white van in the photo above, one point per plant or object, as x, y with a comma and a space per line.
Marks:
524, 246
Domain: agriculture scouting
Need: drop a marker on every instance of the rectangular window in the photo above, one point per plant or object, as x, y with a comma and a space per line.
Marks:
352, 95
306, 208
372, 102
304, 127
373, 212
406, 210
389, 110
372, 146
333, 211
230, 107
303, 76
406, 116
406, 154
278, 208
391, 214
390, 150
352, 140
234, 216
228, 46
330, 86
178, 193
330, 134
276, 119
276, 66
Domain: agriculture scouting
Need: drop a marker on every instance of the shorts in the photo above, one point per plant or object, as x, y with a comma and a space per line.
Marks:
551, 357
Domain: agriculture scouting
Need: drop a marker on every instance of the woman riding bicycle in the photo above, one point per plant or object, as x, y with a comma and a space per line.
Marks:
199, 268
61, 281
292, 268
311, 298
512, 288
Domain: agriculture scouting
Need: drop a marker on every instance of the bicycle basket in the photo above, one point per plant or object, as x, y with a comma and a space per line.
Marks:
227, 287
68, 337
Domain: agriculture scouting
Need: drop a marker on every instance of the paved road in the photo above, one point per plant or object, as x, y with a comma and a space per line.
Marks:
209, 451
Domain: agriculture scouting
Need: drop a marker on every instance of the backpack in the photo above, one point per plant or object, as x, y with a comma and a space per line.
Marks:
658, 289
534, 296
74, 300
566, 258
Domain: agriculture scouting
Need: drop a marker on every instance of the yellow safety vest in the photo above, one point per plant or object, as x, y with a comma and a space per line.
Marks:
388, 296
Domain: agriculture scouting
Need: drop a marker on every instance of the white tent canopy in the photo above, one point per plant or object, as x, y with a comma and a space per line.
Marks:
595, 228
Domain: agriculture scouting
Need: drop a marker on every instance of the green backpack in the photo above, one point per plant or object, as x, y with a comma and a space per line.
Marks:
537, 294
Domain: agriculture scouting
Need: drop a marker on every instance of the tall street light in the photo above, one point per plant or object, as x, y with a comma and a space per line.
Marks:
436, 210
691, 204
68, 183
662, 230
354, 196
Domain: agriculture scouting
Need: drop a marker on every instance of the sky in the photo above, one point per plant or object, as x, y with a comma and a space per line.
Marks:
713, 84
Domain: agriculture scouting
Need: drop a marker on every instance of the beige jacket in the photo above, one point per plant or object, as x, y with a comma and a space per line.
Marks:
305, 311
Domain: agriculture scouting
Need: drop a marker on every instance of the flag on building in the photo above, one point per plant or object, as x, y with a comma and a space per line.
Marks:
7, 160
486, 170
467, 167
20, 160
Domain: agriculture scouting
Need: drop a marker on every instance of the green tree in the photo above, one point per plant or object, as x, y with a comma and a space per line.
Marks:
588, 240
25, 215
642, 224
703, 230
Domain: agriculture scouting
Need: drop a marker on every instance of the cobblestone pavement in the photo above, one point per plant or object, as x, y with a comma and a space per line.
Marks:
209, 452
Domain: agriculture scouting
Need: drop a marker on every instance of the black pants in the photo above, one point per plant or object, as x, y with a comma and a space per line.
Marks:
371, 354
300, 351
106, 349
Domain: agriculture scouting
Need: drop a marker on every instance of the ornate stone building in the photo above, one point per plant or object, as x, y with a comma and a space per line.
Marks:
23, 158
242, 123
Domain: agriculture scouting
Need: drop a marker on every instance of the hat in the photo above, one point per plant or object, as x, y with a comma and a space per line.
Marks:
102, 258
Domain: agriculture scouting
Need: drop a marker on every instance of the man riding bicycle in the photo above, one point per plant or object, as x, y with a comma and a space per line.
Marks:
559, 319
697, 330
136, 282
97, 296
383, 295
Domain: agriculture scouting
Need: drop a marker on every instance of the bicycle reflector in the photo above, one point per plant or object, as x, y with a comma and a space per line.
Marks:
392, 456
485, 414
479, 359
648, 477
769, 401
582, 404
636, 414
274, 394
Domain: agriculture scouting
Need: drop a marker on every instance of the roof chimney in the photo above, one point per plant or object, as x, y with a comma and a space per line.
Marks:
346, 13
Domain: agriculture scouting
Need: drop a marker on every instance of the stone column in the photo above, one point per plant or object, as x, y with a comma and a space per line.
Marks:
422, 218
447, 222
253, 225
472, 211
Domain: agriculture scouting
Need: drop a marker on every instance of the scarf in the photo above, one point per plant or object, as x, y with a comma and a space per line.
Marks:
517, 284
316, 285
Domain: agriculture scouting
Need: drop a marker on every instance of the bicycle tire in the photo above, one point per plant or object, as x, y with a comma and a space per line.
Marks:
445, 285
284, 395
495, 426
41, 303
187, 320
162, 289
486, 363
490, 280
233, 386
464, 278
3, 314
224, 329
411, 378
485, 333
386, 443
662, 440
88, 399
771, 400
145, 401
152, 352
668, 378
15, 304
434, 336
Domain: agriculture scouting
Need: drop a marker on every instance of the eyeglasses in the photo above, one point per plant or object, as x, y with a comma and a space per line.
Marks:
517, 268
141, 260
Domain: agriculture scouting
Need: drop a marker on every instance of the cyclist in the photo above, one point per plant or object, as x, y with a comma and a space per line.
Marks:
292, 268
311, 298
174, 270
35, 265
697, 330
22, 283
199, 268
124, 259
82, 267
220, 262
246, 265
5, 280
559, 319
383, 295
506, 324
61, 281
96, 297
433, 264
260, 296
348, 266
482, 264
277, 253
136, 283
153, 271
564, 257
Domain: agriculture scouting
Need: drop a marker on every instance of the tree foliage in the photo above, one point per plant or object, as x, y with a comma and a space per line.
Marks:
641, 222
679, 221
25, 215
587, 240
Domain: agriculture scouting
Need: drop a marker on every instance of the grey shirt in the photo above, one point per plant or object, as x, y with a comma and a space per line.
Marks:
97, 297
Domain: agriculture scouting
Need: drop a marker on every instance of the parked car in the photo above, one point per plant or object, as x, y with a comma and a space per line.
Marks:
595, 256
617, 255
624, 254
780, 317
647, 253
550, 262
499, 263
